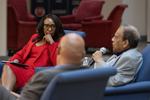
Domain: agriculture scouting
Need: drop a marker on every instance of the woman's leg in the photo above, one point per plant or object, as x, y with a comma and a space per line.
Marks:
8, 78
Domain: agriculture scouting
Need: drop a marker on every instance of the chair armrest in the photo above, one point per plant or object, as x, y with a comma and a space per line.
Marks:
37, 69
25, 30
31, 17
100, 17
1, 68
27, 24
97, 22
96, 25
138, 87
67, 19
82, 34
11, 12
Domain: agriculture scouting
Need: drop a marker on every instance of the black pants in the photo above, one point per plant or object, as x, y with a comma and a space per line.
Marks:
5, 94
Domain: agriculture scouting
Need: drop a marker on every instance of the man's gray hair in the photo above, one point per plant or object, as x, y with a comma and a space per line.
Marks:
131, 34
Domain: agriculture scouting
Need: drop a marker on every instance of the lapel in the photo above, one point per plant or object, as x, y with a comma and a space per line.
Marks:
28, 49
113, 60
116, 60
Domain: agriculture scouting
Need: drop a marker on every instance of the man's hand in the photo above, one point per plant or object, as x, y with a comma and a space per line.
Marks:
98, 56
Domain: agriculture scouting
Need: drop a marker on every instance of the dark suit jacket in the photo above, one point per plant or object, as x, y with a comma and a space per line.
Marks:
34, 89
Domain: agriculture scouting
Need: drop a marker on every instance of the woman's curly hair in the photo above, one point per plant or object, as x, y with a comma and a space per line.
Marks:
59, 32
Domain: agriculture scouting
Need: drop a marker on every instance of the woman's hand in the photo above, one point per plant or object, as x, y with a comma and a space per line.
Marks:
15, 94
48, 38
98, 56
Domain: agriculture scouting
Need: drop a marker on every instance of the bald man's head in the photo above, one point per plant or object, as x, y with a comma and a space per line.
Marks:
71, 49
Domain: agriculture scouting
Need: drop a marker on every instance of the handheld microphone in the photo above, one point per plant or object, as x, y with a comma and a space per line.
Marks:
103, 50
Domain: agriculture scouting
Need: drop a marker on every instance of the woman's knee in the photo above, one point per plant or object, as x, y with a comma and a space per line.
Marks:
8, 78
6, 68
7, 72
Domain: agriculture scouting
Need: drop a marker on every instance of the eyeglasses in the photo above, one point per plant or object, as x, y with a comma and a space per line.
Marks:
48, 26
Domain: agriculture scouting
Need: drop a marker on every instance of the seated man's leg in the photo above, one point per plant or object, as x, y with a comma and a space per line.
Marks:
5, 94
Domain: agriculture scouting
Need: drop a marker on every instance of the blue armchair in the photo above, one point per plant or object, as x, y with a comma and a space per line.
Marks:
81, 33
139, 89
85, 84
1, 68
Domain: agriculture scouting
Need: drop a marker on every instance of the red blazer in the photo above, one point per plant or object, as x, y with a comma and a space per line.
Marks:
46, 56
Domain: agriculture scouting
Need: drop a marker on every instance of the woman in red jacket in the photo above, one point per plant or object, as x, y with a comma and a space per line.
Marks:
40, 51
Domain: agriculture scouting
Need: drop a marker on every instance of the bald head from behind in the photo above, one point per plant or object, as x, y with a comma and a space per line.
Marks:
71, 49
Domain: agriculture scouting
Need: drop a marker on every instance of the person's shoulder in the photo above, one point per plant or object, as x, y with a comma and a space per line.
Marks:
132, 53
34, 36
47, 73
61, 38
46, 70
58, 41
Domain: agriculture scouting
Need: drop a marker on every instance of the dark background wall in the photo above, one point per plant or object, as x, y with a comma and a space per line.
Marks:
58, 7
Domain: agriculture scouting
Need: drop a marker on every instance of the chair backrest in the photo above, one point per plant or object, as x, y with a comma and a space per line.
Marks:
12, 30
85, 84
81, 33
116, 17
20, 7
1, 68
88, 9
143, 74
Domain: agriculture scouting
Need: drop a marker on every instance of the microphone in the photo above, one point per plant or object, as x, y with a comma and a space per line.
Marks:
103, 50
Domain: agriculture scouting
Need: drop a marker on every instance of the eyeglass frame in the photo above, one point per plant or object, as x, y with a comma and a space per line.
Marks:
47, 26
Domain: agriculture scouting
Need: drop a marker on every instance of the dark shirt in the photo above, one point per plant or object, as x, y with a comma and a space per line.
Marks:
119, 53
